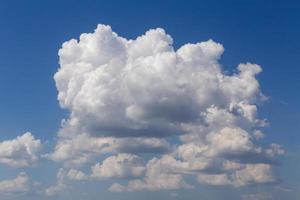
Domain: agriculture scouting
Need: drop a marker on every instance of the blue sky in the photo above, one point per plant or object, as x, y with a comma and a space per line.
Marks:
261, 32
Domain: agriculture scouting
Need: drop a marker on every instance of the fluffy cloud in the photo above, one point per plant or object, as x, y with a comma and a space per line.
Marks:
249, 174
160, 174
142, 87
63, 178
134, 96
20, 184
120, 166
83, 148
74, 174
20, 152
80, 149
60, 185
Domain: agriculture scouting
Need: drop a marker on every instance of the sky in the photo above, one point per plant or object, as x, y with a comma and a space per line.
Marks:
149, 99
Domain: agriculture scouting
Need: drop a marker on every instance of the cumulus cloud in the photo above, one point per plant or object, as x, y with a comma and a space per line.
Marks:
160, 174
63, 178
74, 174
19, 185
249, 174
83, 148
119, 166
60, 185
22, 151
142, 87
79, 149
128, 97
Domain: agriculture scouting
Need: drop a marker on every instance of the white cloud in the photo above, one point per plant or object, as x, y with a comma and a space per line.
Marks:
116, 187
80, 149
249, 174
120, 166
63, 178
20, 184
142, 87
254, 173
230, 141
60, 185
160, 174
134, 96
83, 148
20, 152
74, 174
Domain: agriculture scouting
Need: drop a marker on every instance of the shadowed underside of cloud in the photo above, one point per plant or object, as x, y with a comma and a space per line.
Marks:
131, 97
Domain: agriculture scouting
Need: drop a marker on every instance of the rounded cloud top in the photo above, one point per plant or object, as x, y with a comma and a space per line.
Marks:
144, 87
126, 97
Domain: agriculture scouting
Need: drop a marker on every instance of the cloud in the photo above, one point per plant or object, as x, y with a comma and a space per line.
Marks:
83, 148
118, 87
80, 149
160, 174
22, 151
60, 185
19, 185
120, 166
74, 174
131, 97
141, 145
249, 174
63, 178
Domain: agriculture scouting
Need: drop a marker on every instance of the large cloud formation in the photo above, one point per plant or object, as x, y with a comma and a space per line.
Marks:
131, 97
